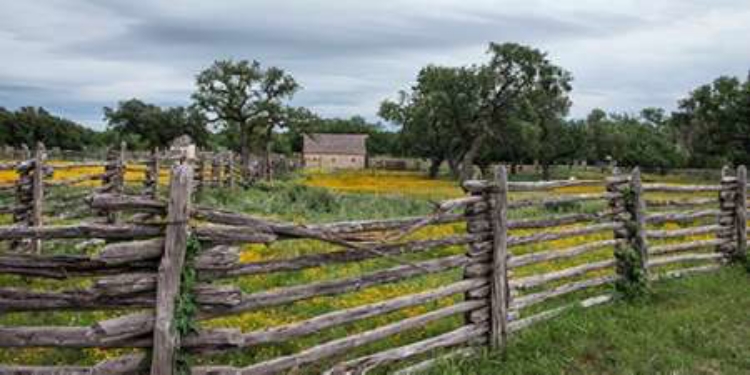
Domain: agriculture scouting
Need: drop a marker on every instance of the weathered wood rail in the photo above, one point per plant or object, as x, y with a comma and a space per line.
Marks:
496, 286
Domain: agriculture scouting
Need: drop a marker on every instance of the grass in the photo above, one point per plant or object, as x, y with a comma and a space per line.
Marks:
698, 325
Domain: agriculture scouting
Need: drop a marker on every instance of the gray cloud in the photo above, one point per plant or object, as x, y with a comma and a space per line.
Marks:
81, 55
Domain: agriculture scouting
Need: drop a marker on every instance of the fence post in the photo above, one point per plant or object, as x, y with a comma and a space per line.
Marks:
151, 183
215, 169
200, 170
728, 221
37, 194
499, 292
229, 170
741, 213
637, 208
166, 340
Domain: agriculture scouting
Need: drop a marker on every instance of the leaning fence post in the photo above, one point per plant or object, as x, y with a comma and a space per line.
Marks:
740, 206
166, 340
499, 293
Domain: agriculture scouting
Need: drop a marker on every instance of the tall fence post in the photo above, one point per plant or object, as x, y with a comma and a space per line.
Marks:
37, 194
166, 339
499, 292
215, 169
741, 213
637, 207
200, 172
631, 250
113, 181
488, 218
728, 199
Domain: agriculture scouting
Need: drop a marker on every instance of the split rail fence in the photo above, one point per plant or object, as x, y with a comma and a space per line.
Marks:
498, 289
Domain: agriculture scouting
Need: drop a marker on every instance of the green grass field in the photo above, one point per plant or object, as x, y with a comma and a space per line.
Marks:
697, 325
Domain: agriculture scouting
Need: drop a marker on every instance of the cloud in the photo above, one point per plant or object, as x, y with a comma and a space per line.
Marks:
80, 55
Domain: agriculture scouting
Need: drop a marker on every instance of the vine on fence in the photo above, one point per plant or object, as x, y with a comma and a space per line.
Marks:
187, 307
633, 282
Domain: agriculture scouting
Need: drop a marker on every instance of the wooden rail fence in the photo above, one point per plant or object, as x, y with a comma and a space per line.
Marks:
496, 293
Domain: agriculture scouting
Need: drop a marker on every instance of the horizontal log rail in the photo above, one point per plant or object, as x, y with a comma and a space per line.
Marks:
516, 261
680, 247
682, 272
560, 200
686, 257
685, 232
566, 233
113, 232
681, 203
681, 217
341, 256
481, 185
453, 338
680, 188
529, 282
295, 293
339, 346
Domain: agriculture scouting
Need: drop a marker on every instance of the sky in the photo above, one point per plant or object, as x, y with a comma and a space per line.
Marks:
74, 57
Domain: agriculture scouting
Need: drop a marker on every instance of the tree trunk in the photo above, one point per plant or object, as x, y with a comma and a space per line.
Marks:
546, 171
434, 167
245, 153
467, 164
454, 168
267, 156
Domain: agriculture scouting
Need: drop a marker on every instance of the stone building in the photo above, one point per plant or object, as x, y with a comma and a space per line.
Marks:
335, 151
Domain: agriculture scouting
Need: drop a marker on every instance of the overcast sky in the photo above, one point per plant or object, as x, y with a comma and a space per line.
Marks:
76, 56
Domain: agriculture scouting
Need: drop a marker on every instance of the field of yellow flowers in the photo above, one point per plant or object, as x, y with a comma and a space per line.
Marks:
314, 198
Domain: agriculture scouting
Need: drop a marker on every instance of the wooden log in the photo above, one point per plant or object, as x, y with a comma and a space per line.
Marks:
78, 165
740, 224
684, 246
219, 258
113, 232
122, 253
16, 299
681, 203
323, 288
225, 234
525, 301
550, 255
557, 201
479, 186
337, 257
638, 217
166, 340
537, 280
685, 232
681, 217
552, 221
680, 188
499, 293
118, 202
687, 257
450, 339
131, 364
331, 348
567, 233
337, 318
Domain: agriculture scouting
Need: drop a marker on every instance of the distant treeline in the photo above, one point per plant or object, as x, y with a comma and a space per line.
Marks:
512, 109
